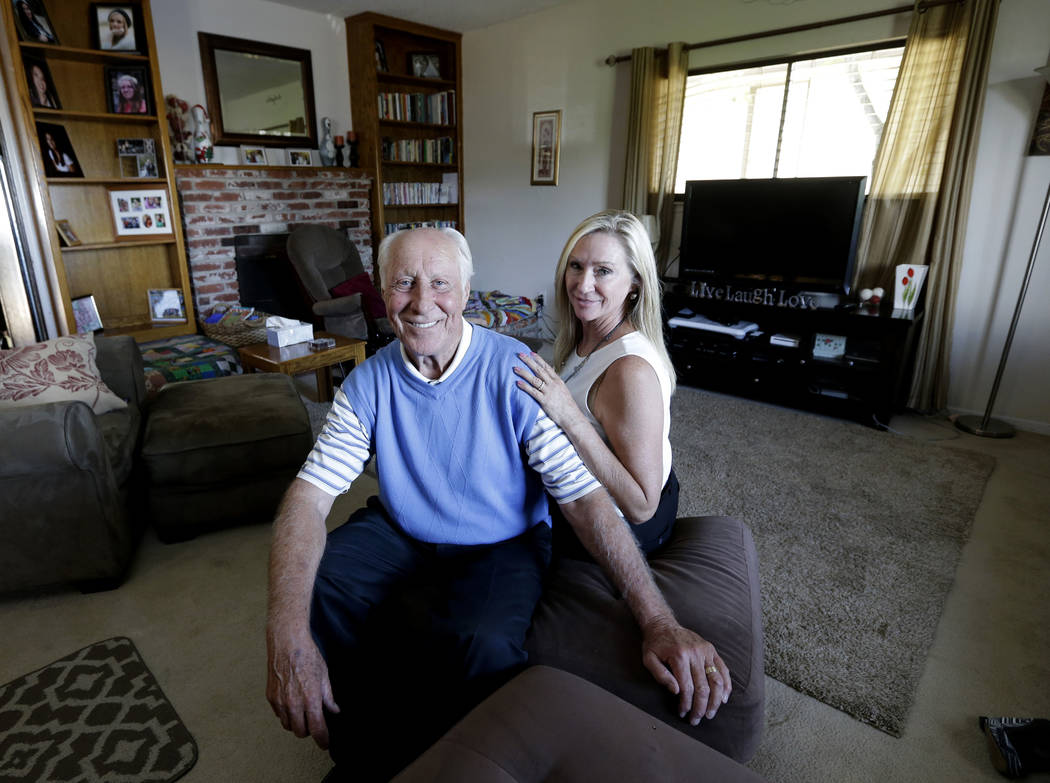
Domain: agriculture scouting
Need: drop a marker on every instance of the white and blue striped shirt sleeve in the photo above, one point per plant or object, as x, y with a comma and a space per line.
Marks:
341, 450
553, 456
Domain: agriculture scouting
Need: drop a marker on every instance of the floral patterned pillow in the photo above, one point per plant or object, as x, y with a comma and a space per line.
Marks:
59, 370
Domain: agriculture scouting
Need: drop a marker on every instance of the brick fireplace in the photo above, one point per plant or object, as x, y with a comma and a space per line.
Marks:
220, 203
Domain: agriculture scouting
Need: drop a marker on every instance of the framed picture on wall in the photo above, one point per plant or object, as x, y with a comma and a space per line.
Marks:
300, 157
117, 27
546, 147
139, 212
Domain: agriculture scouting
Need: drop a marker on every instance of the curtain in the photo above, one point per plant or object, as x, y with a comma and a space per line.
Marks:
654, 124
920, 189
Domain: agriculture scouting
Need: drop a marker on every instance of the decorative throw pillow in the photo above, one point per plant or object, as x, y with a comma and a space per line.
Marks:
59, 370
371, 299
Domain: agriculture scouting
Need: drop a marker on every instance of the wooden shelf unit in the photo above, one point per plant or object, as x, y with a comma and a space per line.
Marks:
399, 40
117, 272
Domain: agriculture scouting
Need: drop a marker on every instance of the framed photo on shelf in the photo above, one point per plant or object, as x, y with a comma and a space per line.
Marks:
32, 22
166, 305
138, 158
128, 89
546, 147
66, 233
139, 212
381, 57
85, 313
300, 157
117, 27
57, 150
252, 156
42, 92
426, 65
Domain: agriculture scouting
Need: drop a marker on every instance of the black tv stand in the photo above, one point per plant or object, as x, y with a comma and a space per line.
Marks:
866, 382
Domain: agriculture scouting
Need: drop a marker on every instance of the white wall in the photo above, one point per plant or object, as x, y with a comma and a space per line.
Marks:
1008, 194
177, 22
554, 60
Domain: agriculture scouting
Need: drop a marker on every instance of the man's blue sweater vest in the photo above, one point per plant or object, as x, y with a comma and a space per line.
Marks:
451, 457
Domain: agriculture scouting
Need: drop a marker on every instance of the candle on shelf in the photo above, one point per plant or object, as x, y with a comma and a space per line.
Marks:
351, 136
339, 141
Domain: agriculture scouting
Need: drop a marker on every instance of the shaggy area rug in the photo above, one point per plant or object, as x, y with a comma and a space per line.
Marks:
858, 534
96, 715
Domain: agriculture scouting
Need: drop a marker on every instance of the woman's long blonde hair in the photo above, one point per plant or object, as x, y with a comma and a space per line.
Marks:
644, 312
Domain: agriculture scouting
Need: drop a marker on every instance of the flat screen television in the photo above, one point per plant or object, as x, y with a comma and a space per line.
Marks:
798, 233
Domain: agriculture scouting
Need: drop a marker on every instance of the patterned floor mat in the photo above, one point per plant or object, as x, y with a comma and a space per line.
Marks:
95, 715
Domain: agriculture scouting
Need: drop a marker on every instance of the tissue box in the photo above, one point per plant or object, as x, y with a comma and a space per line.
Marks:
297, 332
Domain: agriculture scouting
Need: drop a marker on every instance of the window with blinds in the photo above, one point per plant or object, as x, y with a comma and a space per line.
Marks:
804, 117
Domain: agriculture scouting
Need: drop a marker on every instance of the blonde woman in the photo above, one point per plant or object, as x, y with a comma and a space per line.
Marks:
611, 384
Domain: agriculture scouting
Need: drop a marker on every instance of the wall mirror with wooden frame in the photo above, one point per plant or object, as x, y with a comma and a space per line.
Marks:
258, 93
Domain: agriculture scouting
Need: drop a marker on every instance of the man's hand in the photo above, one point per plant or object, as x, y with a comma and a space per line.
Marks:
679, 660
297, 686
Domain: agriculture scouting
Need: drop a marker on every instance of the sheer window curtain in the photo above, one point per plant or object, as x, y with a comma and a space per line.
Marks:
920, 190
654, 126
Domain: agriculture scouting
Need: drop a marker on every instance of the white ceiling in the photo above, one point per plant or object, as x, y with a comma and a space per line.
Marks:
458, 15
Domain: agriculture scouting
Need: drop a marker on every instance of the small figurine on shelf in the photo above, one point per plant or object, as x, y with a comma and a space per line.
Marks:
203, 149
179, 129
327, 146
350, 156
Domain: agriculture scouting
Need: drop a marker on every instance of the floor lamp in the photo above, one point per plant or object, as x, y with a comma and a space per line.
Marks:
986, 426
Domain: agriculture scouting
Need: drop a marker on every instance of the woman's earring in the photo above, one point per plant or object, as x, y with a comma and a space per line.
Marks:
633, 296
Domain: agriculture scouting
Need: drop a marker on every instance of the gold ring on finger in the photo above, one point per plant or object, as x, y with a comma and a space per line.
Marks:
711, 670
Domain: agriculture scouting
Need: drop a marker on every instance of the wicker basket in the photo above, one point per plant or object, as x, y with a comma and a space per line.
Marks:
238, 333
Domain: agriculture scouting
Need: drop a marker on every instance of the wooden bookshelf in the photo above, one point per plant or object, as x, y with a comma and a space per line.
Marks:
118, 272
399, 40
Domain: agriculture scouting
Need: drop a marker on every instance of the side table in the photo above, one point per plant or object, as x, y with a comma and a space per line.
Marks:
298, 358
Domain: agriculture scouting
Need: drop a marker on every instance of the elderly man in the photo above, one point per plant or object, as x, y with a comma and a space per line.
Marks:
463, 460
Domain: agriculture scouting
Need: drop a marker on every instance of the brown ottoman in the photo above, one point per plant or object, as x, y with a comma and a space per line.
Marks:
708, 572
547, 725
221, 452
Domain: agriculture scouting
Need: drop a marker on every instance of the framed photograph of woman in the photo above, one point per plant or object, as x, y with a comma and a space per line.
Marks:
32, 22
546, 147
57, 151
42, 92
128, 88
115, 27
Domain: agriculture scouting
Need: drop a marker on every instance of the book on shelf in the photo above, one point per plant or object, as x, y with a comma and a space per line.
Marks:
442, 150
437, 108
396, 194
390, 228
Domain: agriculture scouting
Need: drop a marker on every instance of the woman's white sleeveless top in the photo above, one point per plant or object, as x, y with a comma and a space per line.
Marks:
632, 344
